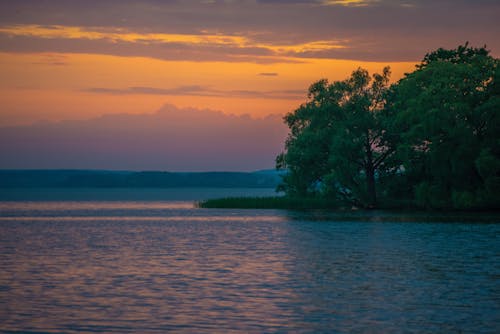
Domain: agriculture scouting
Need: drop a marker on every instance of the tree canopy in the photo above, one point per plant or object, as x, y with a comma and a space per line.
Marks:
432, 138
336, 142
448, 116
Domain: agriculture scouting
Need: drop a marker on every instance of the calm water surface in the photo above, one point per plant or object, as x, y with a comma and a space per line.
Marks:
165, 266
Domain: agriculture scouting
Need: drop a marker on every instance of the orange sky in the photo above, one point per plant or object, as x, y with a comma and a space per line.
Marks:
78, 60
55, 86
71, 67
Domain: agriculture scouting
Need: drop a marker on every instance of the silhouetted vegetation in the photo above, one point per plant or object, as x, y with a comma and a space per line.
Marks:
430, 140
337, 143
277, 202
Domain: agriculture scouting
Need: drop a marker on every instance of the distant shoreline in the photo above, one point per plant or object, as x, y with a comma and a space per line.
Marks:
136, 179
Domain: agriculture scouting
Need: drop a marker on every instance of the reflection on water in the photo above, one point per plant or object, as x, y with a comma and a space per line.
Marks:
167, 266
127, 194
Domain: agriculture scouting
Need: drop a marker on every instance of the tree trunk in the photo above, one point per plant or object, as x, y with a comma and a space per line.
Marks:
370, 187
370, 178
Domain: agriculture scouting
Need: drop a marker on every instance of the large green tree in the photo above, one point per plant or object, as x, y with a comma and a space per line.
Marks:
447, 117
337, 143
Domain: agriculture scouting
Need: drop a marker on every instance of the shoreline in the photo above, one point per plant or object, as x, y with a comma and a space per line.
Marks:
307, 204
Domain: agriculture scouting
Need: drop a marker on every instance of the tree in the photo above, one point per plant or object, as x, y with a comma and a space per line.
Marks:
447, 113
337, 143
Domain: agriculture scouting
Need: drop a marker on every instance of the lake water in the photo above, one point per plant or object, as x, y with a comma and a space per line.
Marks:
158, 264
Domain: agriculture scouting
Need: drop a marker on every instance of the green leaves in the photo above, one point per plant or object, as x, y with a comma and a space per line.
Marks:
432, 139
446, 110
335, 139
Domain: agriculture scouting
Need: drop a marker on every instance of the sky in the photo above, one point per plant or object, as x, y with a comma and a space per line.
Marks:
197, 85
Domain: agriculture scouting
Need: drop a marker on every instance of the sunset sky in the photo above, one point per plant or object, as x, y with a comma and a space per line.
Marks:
196, 85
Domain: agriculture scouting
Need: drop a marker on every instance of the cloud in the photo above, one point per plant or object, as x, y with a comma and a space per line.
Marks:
52, 60
195, 90
269, 74
162, 51
181, 90
275, 94
256, 31
202, 46
320, 2
177, 139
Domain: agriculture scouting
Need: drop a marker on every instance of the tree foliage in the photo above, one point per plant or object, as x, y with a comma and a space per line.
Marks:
432, 138
448, 114
336, 143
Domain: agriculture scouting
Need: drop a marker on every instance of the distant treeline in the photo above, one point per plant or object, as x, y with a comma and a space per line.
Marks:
129, 179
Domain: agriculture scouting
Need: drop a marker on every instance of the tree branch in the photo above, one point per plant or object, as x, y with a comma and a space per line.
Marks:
382, 157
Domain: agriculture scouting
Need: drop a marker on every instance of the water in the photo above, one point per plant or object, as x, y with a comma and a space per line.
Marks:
160, 266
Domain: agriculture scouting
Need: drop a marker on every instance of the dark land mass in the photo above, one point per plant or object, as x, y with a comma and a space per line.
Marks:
131, 179
326, 205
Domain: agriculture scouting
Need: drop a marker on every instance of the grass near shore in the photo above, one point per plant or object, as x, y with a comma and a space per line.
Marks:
315, 203
295, 203
273, 202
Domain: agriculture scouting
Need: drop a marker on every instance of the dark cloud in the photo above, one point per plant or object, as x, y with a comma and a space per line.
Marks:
170, 139
403, 29
163, 51
53, 60
276, 94
269, 74
364, 49
54, 63
202, 91
288, 2
181, 90
361, 49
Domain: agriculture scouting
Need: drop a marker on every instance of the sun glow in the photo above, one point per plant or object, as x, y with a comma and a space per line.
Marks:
58, 86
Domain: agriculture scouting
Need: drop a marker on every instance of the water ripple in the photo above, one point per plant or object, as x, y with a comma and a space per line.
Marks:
155, 267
